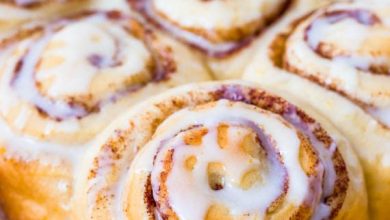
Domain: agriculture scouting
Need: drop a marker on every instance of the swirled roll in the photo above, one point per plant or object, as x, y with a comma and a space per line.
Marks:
226, 31
337, 59
220, 151
61, 83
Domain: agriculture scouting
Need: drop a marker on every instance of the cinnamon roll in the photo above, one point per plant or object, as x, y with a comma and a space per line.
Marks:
220, 151
219, 29
61, 83
337, 59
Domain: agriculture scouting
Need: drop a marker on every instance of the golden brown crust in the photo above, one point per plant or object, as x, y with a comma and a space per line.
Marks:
25, 186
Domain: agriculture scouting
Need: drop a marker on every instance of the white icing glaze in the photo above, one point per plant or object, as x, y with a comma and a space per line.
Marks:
96, 37
230, 14
211, 15
26, 89
193, 186
20, 146
361, 46
353, 39
75, 67
183, 184
71, 60
191, 37
322, 30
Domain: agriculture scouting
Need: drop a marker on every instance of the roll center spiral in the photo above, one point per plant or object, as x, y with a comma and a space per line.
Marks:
65, 68
366, 51
219, 163
89, 69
